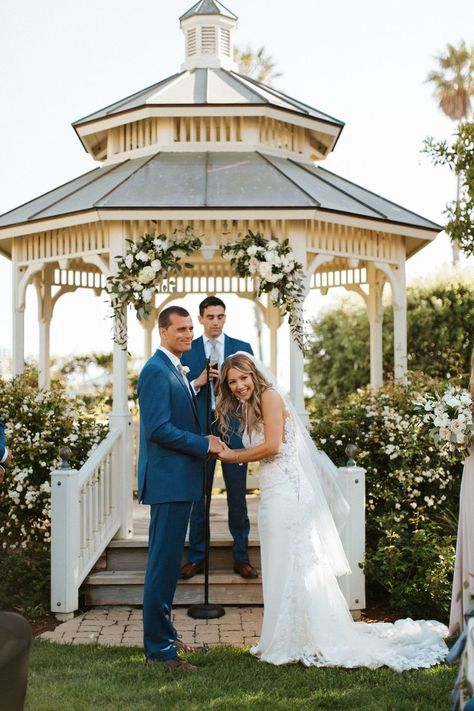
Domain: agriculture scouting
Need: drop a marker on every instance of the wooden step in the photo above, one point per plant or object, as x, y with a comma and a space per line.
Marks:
126, 588
132, 554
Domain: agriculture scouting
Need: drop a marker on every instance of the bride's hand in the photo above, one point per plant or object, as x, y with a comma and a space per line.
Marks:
227, 454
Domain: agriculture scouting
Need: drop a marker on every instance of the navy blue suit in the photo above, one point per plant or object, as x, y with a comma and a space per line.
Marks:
235, 475
2, 440
170, 476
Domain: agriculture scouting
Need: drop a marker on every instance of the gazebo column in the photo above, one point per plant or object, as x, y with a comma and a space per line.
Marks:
375, 313
120, 417
297, 238
396, 276
18, 320
273, 321
45, 313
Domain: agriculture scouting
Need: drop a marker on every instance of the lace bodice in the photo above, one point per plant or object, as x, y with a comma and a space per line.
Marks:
282, 466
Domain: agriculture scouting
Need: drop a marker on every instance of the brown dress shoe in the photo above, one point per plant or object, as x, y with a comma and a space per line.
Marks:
245, 570
178, 665
190, 569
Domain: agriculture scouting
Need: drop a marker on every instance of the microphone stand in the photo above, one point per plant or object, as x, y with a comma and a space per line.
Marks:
206, 611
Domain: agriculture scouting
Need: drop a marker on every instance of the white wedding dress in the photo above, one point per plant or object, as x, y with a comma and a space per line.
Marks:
306, 618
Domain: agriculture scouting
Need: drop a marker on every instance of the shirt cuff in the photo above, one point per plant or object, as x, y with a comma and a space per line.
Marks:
5, 456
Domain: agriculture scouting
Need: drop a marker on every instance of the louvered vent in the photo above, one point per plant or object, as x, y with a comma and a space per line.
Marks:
225, 42
191, 42
208, 40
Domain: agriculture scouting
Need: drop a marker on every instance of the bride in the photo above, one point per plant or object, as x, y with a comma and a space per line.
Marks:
306, 618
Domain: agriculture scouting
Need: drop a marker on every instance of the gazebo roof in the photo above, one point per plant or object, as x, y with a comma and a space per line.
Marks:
208, 7
200, 180
206, 86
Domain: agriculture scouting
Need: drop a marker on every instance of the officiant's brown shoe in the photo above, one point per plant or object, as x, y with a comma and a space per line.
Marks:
245, 570
190, 569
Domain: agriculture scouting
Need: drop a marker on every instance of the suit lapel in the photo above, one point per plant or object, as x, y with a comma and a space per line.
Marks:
174, 370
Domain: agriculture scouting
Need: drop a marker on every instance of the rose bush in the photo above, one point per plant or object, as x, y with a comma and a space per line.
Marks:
412, 493
37, 423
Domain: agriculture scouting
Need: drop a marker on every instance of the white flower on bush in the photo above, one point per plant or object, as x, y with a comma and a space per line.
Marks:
136, 286
156, 265
147, 295
457, 426
253, 250
272, 244
129, 261
274, 294
265, 270
146, 275
142, 257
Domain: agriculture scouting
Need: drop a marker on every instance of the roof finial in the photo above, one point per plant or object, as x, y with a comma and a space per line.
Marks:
209, 31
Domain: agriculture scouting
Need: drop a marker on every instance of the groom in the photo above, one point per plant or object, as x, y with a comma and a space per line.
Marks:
170, 477
217, 345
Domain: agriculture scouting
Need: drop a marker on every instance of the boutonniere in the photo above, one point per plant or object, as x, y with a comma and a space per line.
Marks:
185, 369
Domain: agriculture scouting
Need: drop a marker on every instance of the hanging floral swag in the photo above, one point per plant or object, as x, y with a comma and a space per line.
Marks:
151, 263
275, 272
148, 267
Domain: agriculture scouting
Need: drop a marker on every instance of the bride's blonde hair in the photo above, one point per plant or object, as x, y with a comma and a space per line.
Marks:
229, 407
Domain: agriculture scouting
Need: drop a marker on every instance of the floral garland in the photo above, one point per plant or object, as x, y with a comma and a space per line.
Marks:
275, 272
146, 269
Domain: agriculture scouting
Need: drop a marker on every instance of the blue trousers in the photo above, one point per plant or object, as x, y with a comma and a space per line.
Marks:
168, 524
235, 477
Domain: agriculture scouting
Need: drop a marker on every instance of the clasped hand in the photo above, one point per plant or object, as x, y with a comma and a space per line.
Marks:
219, 449
201, 380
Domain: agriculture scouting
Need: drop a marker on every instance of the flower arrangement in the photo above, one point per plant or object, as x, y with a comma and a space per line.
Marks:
449, 417
275, 272
147, 268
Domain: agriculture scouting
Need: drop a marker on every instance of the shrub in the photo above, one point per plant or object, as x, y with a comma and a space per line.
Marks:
412, 493
37, 423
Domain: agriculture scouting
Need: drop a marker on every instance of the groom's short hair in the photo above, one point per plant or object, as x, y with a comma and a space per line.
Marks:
210, 301
164, 319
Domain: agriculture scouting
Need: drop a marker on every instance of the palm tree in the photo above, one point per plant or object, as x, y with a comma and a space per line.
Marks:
454, 88
256, 65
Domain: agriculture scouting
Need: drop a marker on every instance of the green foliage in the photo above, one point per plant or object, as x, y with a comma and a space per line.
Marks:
37, 424
459, 156
412, 493
440, 318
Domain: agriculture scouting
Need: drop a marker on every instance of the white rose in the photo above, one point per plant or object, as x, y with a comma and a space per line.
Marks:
288, 268
265, 270
272, 244
142, 257
146, 295
253, 265
273, 278
274, 294
252, 250
129, 261
146, 275
445, 433
457, 426
178, 253
156, 265
136, 286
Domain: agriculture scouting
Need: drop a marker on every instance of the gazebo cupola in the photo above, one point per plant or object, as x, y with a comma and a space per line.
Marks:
209, 31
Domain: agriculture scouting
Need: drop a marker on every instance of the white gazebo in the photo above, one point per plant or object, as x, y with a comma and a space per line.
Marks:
209, 148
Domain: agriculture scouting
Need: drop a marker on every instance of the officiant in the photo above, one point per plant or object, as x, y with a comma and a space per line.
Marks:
217, 346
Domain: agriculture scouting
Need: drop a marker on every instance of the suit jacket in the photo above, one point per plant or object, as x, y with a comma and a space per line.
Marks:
172, 448
195, 359
2, 440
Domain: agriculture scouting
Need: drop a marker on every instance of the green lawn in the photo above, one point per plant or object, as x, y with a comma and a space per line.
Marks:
82, 678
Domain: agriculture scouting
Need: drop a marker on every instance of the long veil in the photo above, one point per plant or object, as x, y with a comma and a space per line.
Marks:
329, 505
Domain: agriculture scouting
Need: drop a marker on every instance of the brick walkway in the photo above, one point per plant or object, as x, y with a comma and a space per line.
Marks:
122, 626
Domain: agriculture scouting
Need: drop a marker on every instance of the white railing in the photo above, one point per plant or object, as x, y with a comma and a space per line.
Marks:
85, 515
351, 480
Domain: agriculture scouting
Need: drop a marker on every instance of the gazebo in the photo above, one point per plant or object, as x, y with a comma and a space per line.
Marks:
223, 153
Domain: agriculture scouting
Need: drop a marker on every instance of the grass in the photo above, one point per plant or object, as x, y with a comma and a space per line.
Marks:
83, 678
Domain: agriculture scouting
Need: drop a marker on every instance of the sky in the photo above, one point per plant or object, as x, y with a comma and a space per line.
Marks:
363, 62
